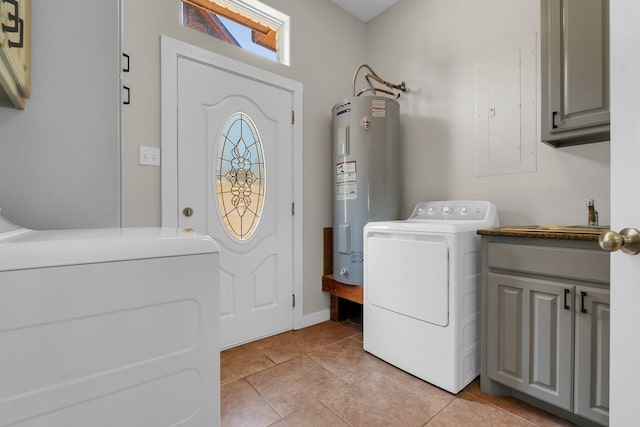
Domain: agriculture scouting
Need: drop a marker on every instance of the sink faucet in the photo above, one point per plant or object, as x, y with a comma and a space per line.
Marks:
592, 213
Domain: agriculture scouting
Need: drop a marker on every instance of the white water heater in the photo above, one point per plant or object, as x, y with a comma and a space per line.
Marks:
366, 176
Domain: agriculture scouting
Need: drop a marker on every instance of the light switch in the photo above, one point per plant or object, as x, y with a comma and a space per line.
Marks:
149, 156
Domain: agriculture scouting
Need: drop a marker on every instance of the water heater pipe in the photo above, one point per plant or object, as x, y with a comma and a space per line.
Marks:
401, 86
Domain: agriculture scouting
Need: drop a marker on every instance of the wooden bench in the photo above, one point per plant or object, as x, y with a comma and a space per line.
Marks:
343, 296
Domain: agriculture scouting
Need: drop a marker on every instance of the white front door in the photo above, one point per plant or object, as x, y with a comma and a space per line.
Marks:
235, 183
625, 210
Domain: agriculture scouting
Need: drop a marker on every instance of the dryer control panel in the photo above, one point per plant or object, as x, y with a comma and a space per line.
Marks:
454, 210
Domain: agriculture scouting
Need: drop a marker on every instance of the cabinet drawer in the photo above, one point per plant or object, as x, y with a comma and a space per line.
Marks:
574, 263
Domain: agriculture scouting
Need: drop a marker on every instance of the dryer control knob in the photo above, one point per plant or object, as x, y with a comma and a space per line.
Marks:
446, 210
464, 211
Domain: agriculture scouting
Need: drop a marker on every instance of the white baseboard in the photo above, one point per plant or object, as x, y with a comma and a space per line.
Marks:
313, 318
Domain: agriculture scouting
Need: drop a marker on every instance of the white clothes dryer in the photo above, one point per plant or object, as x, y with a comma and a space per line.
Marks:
421, 291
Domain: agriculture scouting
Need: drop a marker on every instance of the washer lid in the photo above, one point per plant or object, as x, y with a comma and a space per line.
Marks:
421, 226
453, 216
23, 248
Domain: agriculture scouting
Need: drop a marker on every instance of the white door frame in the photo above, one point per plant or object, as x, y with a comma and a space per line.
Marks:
171, 50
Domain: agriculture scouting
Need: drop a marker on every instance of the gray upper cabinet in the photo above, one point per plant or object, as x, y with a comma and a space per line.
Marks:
575, 71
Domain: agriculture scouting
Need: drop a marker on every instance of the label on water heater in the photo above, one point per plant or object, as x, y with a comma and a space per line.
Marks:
343, 109
346, 167
347, 191
357, 257
346, 181
346, 177
378, 108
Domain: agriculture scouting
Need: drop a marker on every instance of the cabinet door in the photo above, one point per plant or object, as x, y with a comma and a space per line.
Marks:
575, 71
592, 354
530, 337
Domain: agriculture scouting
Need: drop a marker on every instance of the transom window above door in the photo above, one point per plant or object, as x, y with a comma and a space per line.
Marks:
248, 24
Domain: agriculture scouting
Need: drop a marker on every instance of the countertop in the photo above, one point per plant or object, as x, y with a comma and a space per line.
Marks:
583, 233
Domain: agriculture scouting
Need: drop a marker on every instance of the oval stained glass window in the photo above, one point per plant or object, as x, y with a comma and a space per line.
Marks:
240, 176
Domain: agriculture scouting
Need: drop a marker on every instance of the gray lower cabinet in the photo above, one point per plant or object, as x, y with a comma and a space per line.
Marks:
545, 323
530, 337
574, 71
592, 354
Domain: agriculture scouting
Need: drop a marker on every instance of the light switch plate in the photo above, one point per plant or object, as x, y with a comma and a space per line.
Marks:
149, 156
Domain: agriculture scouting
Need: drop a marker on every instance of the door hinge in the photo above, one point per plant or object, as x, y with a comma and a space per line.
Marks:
293, 117
294, 300
293, 208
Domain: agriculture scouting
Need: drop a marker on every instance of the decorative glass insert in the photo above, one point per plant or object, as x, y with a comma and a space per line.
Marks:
240, 176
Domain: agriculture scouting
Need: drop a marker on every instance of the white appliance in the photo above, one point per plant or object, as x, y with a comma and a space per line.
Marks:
421, 291
108, 327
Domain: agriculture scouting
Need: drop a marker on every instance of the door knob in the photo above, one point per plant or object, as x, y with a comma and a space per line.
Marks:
628, 241
187, 211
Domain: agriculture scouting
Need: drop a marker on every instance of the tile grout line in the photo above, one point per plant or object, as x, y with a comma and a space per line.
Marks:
304, 355
439, 412
266, 400
503, 409
326, 405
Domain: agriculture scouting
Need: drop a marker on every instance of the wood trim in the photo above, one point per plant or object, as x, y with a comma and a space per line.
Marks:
339, 309
327, 253
267, 41
265, 37
350, 292
337, 289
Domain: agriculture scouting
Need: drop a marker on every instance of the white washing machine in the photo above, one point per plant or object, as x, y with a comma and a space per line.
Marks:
108, 327
422, 291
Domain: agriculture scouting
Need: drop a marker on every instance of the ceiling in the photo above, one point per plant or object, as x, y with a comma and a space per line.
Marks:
365, 9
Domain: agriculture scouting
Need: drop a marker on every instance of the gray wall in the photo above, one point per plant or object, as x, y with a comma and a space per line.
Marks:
59, 158
437, 57
59, 165
326, 47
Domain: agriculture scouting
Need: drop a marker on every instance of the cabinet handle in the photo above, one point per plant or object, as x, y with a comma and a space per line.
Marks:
582, 295
554, 116
125, 68
18, 24
566, 306
128, 91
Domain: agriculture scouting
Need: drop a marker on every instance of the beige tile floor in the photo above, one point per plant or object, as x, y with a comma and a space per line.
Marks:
321, 376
